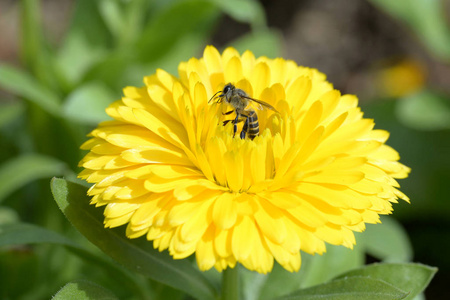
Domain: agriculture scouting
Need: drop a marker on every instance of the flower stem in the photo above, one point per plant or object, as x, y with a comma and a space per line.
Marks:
230, 283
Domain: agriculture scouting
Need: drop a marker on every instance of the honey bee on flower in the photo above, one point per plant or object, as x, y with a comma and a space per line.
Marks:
241, 102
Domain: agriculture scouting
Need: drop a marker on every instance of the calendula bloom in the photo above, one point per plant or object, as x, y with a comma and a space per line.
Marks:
168, 168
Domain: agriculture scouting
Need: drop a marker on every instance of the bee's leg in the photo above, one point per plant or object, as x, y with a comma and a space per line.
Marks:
228, 112
244, 129
232, 121
235, 126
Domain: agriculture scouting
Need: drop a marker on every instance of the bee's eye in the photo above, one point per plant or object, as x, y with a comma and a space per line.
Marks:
226, 89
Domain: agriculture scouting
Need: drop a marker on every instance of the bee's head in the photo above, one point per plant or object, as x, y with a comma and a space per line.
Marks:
225, 93
228, 88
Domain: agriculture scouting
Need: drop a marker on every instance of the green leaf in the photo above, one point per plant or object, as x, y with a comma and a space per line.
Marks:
336, 260
172, 24
22, 233
87, 41
426, 110
426, 17
20, 274
76, 48
412, 278
266, 42
110, 68
358, 288
10, 112
84, 290
124, 19
34, 48
245, 11
191, 43
23, 169
8, 215
112, 13
252, 283
135, 14
31, 34
88, 21
387, 241
138, 254
22, 84
278, 282
87, 103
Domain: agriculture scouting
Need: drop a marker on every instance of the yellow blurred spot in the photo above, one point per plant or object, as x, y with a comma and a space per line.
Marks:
402, 79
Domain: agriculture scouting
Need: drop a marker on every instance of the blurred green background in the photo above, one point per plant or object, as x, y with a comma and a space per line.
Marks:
62, 62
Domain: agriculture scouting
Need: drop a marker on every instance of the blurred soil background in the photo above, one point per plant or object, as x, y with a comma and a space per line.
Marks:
354, 43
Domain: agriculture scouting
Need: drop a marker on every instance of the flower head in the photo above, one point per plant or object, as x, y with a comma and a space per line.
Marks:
168, 168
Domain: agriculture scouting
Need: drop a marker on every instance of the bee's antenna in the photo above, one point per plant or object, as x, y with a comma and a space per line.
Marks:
214, 96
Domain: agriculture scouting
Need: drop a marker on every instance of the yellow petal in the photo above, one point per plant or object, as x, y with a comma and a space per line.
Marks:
205, 253
164, 126
244, 235
225, 211
270, 222
260, 78
213, 61
234, 170
233, 70
297, 92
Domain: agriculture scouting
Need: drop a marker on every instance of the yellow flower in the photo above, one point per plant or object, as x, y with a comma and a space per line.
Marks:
168, 168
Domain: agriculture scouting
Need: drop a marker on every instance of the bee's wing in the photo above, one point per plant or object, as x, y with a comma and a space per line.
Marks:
262, 103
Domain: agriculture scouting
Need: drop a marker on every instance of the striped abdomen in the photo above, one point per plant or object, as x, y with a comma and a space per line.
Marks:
251, 125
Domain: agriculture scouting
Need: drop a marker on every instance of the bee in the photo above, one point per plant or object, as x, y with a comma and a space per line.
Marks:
240, 101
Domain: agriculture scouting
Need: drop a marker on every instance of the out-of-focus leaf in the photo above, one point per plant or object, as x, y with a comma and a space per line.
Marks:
10, 112
34, 48
19, 269
87, 104
8, 215
76, 57
252, 283
357, 288
88, 21
135, 13
426, 17
112, 14
168, 38
124, 19
111, 68
137, 254
83, 290
23, 169
22, 84
336, 260
412, 278
192, 45
22, 234
172, 24
279, 282
387, 241
425, 110
267, 43
87, 42
31, 35
245, 11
